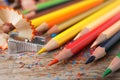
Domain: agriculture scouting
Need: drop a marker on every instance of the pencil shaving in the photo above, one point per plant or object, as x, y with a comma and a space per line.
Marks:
10, 20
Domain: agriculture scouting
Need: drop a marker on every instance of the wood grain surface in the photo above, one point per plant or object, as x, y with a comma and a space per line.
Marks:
28, 66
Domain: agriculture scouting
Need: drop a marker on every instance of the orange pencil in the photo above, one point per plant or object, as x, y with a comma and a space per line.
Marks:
66, 24
64, 14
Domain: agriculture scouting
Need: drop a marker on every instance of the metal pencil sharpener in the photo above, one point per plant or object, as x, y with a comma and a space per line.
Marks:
18, 46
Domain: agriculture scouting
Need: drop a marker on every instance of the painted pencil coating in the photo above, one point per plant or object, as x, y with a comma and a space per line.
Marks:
42, 6
62, 26
106, 15
63, 37
89, 37
80, 43
78, 7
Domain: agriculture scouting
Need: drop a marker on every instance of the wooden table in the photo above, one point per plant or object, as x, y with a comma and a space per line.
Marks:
28, 66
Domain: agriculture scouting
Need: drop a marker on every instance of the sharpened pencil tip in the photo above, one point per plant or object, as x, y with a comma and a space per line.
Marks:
92, 49
53, 62
107, 71
42, 50
78, 36
94, 44
91, 59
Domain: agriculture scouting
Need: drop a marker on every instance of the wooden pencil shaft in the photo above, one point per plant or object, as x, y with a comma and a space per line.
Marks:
115, 64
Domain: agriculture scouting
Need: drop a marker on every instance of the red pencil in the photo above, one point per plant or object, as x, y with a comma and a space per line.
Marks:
77, 45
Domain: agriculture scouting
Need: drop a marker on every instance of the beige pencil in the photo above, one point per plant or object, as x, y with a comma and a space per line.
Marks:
60, 27
108, 33
99, 21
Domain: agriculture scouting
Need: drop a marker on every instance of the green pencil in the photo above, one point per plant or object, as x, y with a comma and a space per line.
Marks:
114, 66
46, 5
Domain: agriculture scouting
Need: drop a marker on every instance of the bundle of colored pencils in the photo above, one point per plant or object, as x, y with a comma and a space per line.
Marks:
92, 20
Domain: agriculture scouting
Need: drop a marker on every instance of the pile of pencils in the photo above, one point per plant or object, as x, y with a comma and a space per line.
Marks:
96, 21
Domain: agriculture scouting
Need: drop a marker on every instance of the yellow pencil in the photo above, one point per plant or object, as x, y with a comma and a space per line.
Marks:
62, 26
68, 34
107, 15
63, 14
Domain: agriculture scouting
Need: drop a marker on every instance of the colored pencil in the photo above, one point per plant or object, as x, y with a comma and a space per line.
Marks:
45, 5
102, 50
63, 37
49, 20
111, 12
107, 33
37, 13
62, 26
77, 45
114, 66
